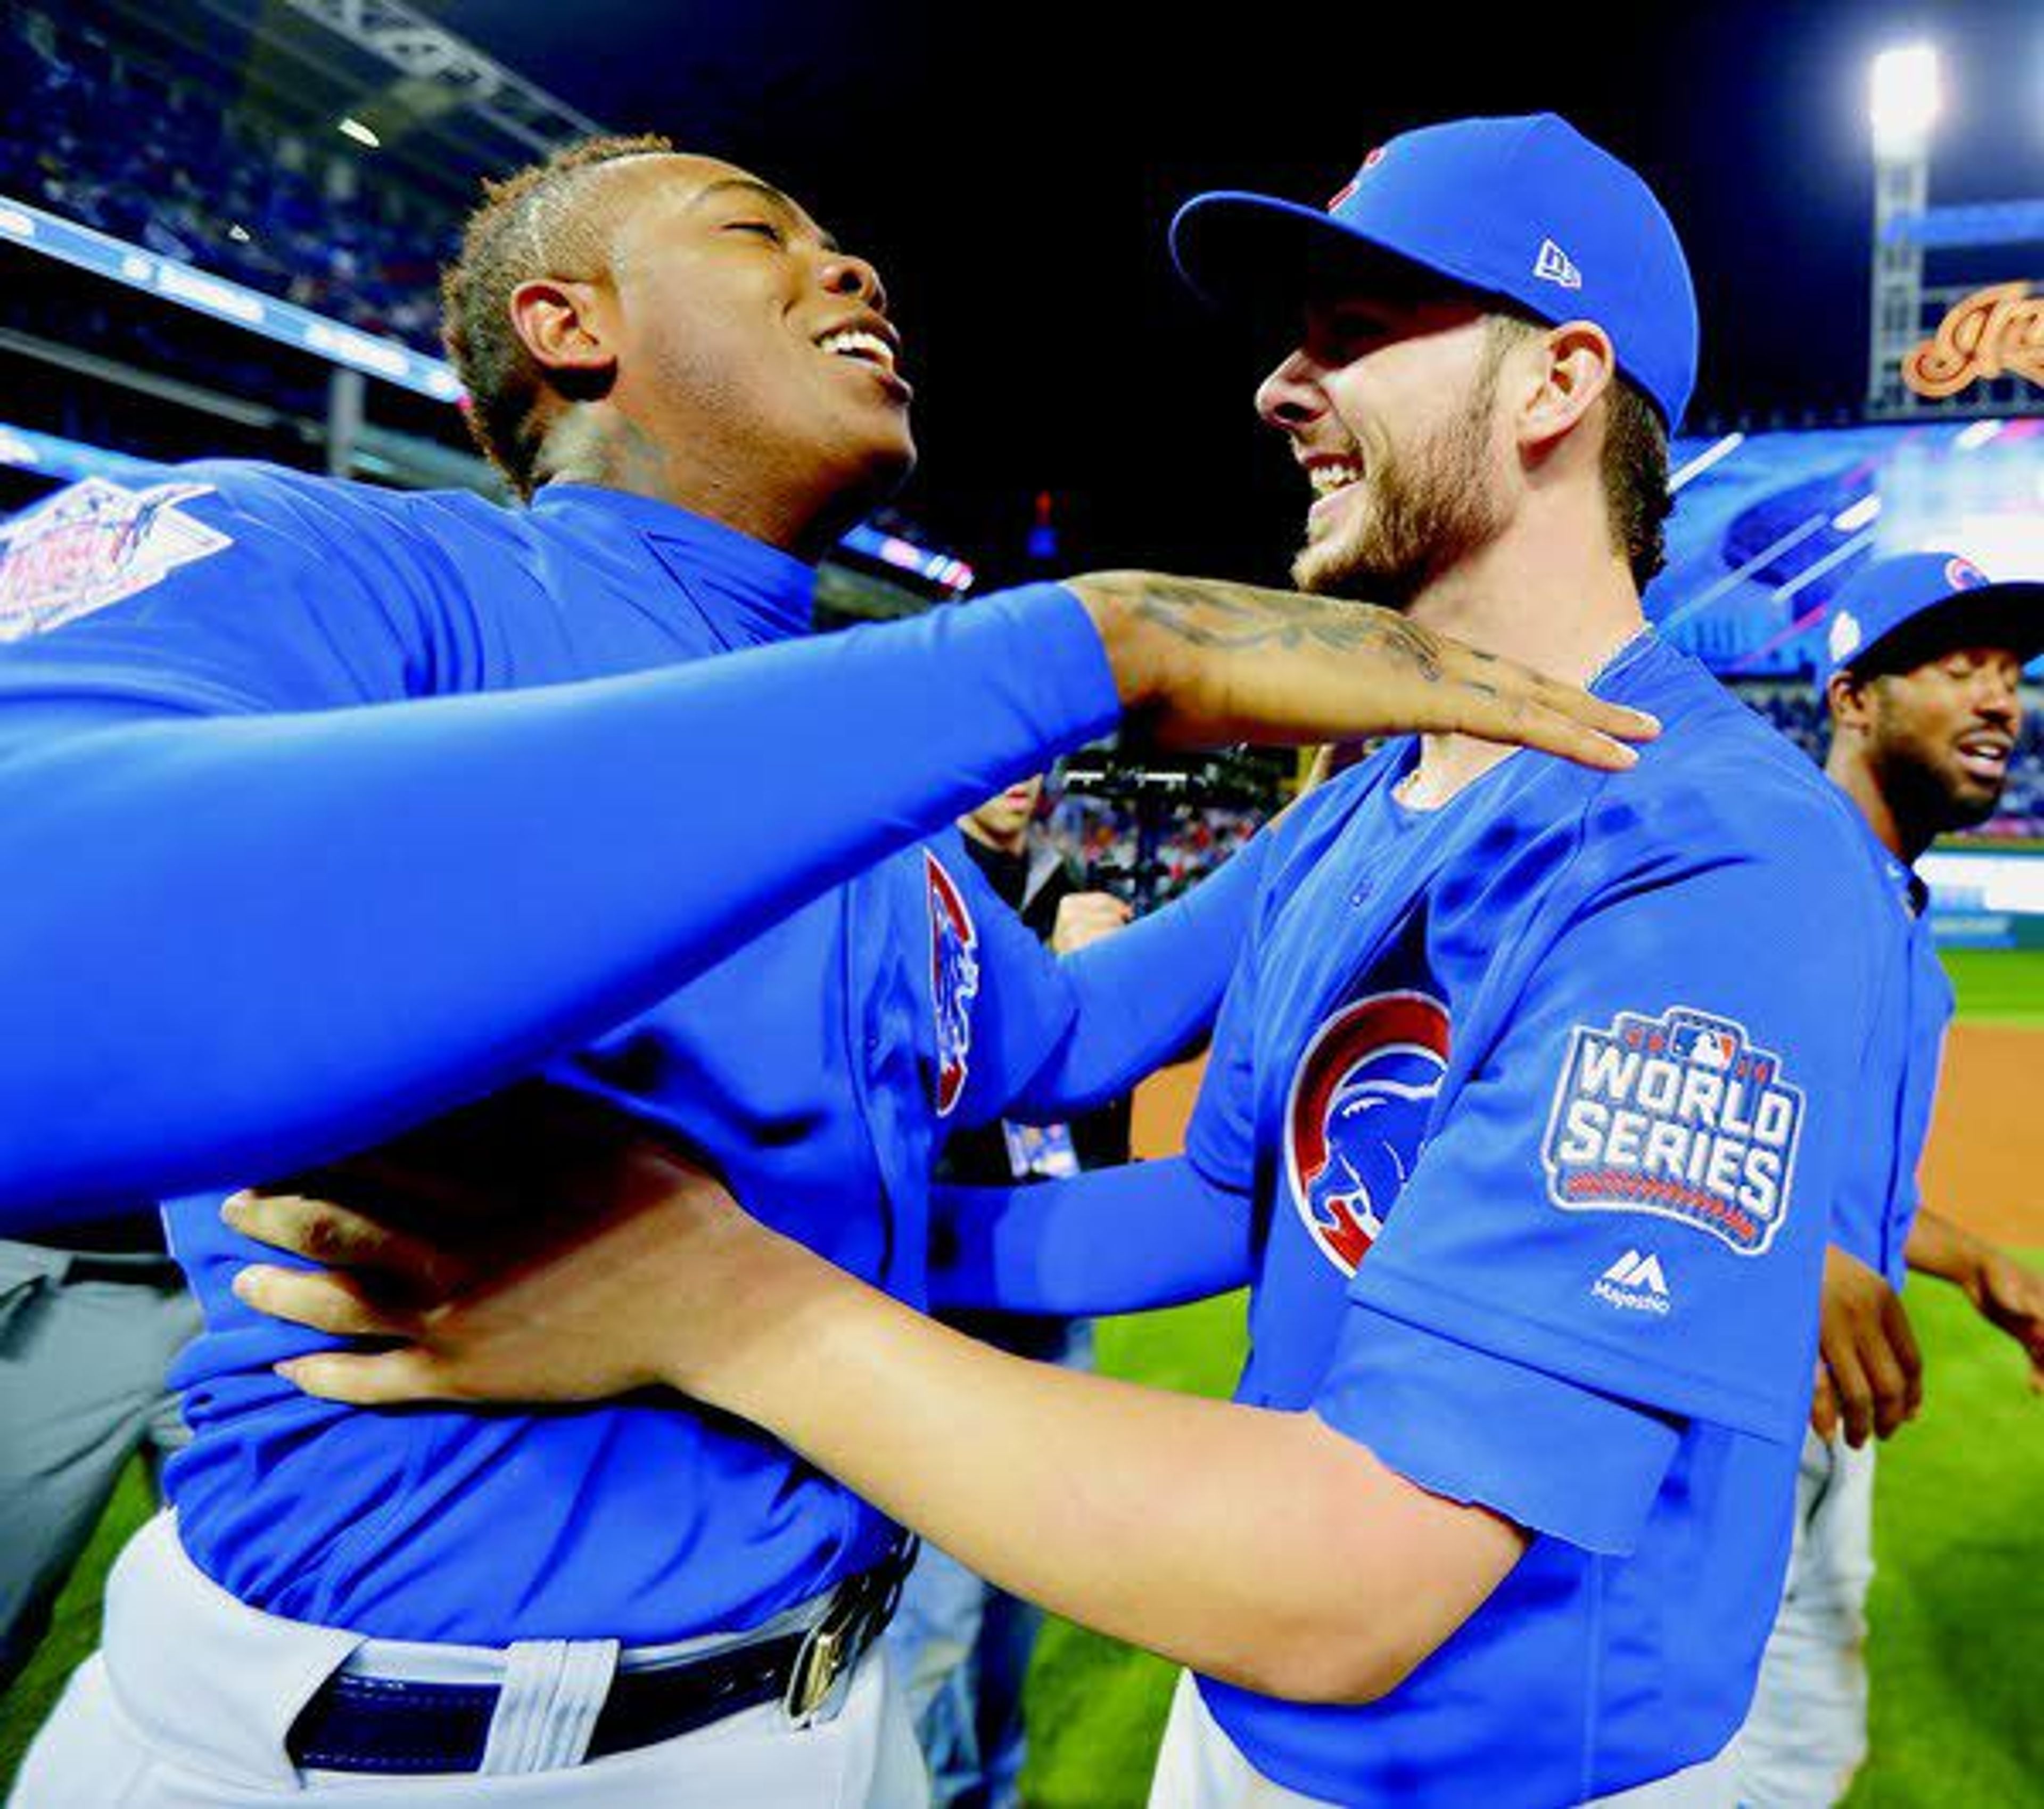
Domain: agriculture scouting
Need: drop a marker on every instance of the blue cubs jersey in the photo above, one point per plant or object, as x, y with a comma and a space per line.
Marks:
1876, 1201
1536, 1103
814, 1063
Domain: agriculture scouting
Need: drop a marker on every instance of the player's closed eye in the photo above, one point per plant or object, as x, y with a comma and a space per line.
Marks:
765, 228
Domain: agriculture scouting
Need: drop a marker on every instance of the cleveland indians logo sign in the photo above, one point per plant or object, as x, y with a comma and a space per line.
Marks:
1356, 1116
953, 979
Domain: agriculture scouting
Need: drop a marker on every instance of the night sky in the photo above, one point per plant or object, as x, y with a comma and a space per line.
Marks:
1012, 171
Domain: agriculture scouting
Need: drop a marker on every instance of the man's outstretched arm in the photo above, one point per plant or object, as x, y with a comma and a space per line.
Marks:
2005, 1291
1059, 1035
1227, 1573
239, 945
1119, 1240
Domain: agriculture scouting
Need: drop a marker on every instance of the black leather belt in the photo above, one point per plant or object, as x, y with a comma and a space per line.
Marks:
395, 1727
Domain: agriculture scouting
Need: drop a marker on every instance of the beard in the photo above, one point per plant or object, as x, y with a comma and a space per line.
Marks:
1931, 796
1428, 508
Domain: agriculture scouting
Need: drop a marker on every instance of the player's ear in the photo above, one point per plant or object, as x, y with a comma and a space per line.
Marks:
561, 325
1849, 697
1574, 366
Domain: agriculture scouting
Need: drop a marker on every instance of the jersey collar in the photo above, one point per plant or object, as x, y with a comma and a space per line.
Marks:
752, 593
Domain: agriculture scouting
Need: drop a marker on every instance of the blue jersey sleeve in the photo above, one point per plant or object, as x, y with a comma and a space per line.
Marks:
252, 924
1619, 1219
1066, 1034
1119, 1240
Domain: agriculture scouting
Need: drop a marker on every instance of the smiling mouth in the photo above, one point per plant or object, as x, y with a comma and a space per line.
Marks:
1985, 757
1333, 476
862, 347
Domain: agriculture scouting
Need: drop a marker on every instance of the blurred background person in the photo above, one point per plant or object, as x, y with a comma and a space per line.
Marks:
963, 1646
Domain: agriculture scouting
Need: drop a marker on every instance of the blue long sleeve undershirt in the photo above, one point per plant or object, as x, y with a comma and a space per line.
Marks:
1144, 994
231, 946
1111, 1240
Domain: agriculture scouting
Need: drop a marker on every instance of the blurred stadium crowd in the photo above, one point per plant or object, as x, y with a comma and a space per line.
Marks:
233, 190
200, 186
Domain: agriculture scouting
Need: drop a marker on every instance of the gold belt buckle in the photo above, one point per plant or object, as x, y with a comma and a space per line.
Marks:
858, 1608
823, 1651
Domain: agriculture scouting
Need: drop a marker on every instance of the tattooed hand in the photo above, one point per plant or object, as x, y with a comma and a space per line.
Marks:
1201, 662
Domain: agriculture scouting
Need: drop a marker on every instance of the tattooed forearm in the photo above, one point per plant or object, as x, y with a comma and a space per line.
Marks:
1213, 613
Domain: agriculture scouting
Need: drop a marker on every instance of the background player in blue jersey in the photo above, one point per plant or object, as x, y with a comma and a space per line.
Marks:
1923, 684
1519, 1122
328, 808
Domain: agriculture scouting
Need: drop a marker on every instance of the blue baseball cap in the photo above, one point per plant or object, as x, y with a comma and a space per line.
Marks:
1941, 600
1526, 208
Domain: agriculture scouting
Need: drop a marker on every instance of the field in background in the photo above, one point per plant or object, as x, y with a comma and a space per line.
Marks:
1958, 1605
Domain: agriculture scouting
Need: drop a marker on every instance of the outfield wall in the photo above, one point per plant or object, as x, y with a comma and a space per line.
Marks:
1986, 897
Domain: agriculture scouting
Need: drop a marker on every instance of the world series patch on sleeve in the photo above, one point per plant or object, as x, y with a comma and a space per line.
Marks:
1679, 1115
94, 544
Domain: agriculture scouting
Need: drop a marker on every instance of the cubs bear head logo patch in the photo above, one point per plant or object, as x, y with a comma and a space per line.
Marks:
1357, 1116
1681, 1116
953, 979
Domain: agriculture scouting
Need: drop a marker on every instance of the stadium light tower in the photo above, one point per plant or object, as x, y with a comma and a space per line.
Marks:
1905, 97
1908, 96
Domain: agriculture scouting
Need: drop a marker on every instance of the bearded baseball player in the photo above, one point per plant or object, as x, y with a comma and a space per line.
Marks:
1923, 682
1521, 1122
328, 808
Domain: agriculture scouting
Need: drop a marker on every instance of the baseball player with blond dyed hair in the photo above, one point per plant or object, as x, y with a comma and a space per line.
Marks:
426, 798
1522, 1121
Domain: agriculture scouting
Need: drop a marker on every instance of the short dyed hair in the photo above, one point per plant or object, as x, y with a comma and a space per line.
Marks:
527, 227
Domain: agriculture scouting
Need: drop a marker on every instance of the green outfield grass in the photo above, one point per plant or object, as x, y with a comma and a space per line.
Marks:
1999, 986
1958, 1609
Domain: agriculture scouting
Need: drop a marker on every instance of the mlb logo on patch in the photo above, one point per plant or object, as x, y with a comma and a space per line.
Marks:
1680, 1116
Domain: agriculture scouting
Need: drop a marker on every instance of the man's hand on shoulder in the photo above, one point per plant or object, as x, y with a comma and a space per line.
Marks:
1201, 662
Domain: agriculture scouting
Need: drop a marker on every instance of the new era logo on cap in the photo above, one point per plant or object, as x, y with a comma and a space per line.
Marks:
1963, 575
1555, 265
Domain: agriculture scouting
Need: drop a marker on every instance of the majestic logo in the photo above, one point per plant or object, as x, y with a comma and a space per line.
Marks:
94, 544
1555, 265
1357, 1115
1845, 637
1680, 1116
1635, 1284
1990, 331
1963, 575
953, 979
